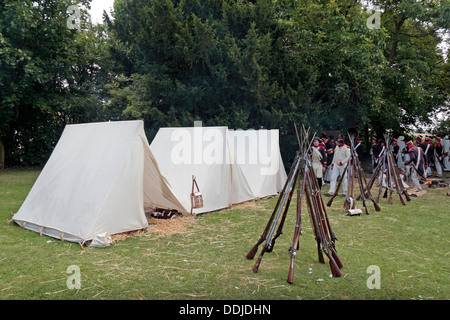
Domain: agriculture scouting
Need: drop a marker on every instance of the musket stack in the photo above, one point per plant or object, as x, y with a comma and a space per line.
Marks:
354, 171
388, 175
302, 175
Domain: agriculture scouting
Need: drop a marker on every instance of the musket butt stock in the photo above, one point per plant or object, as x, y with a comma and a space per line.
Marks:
290, 278
376, 206
402, 200
330, 202
251, 254
335, 270
256, 265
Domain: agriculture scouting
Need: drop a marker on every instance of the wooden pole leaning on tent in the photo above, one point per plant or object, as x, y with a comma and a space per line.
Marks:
196, 196
302, 175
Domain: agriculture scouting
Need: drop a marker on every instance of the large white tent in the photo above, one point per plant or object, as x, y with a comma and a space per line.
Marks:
98, 179
257, 153
229, 166
203, 153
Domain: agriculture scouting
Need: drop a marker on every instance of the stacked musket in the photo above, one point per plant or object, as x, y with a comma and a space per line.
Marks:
300, 173
388, 175
354, 171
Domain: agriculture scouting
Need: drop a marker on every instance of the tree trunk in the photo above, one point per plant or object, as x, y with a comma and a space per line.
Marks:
398, 27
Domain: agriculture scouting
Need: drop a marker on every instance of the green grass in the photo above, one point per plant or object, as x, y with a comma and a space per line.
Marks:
408, 243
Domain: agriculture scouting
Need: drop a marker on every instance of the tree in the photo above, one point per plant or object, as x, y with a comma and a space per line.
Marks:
222, 62
415, 84
48, 74
374, 79
239, 63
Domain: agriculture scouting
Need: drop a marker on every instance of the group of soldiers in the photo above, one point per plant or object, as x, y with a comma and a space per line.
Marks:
418, 158
329, 158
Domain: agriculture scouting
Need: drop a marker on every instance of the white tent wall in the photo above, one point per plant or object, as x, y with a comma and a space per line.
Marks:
257, 153
241, 190
92, 183
211, 154
202, 152
123, 207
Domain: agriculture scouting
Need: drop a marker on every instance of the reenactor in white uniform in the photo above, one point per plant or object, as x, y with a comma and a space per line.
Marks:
340, 159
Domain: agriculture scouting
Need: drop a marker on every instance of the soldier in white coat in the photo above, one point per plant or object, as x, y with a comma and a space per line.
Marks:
340, 159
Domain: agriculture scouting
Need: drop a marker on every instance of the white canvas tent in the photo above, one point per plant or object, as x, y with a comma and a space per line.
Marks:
98, 179
257, 153
203, 153
209, 154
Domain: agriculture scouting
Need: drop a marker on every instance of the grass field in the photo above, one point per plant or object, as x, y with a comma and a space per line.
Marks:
205, 259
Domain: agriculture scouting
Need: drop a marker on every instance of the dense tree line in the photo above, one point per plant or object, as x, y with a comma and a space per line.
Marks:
242, 64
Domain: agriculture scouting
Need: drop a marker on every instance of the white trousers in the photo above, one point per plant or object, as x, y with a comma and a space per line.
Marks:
327, 174
438, 167
318, 171
402, 179
337, 171
415, 179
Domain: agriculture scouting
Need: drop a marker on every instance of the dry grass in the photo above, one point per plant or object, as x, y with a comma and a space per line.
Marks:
161, 227
166, 227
